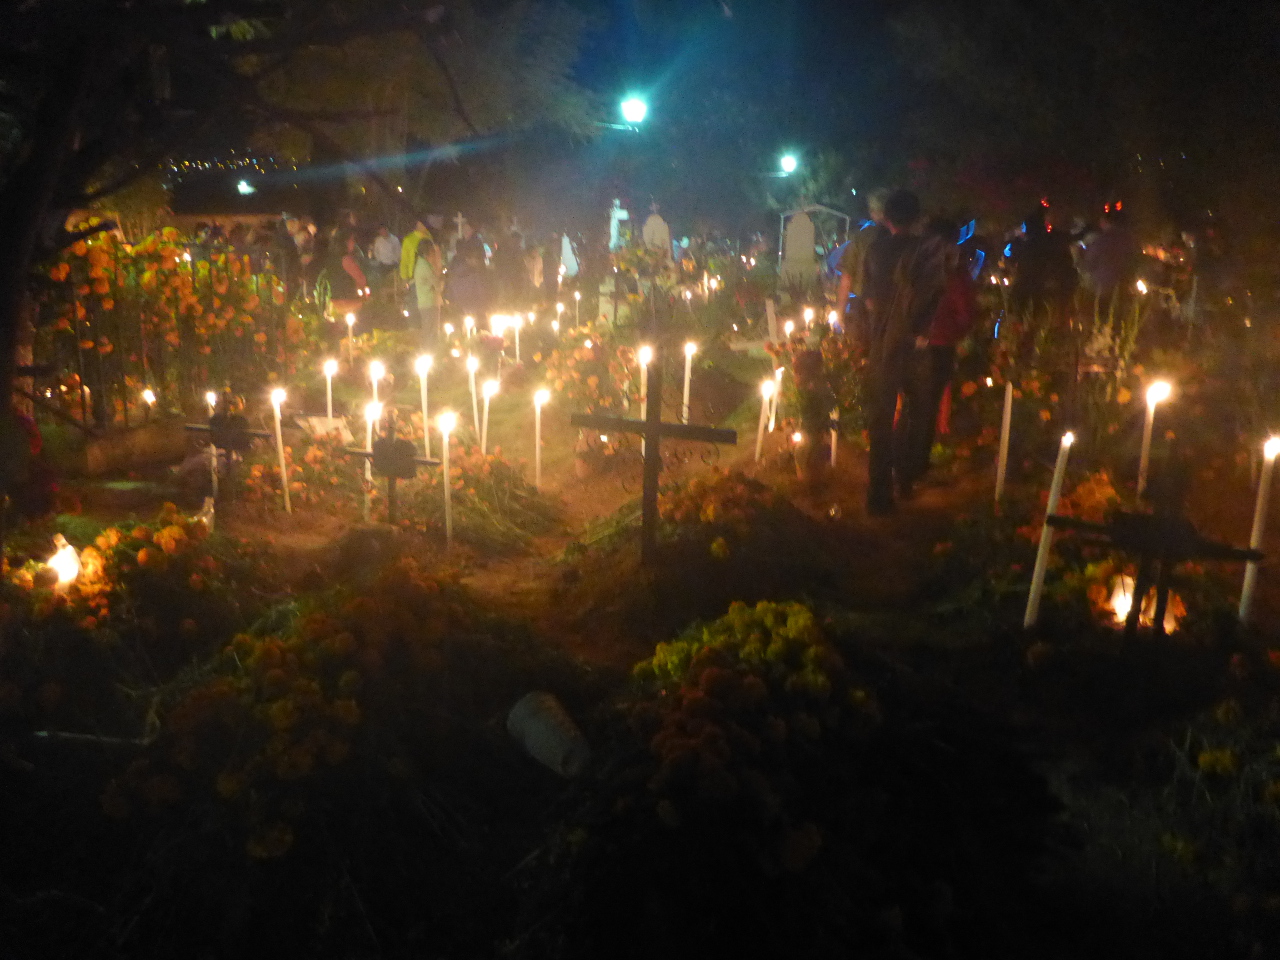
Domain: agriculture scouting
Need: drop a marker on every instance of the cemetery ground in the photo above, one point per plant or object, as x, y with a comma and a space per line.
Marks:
337, 781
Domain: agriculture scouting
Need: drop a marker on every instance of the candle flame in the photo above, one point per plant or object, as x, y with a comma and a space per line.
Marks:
211, 398
423, 364
377, 370
1158, 392
330, 367
149, 396
277, 397
1271, 448
372, 411
690, 348
767, 387
797, 438
1068, 438
448, 329
351, 319
644, 355
490, 388
541, 397
447, 421
65, 561
473, 363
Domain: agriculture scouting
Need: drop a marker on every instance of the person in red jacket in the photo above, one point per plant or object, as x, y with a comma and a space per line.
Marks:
935, 355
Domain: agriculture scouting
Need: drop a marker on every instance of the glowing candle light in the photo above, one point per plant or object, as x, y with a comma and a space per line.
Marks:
65, 561
1006, 420
473, 364
372, 414
1142, 286
788, 329
211, 400
1046, 534
1269, 452
277, 398
468, 324
377, 370
577, 307
767, 387
330, 368
690, 349
808, 316
832, 318
777, 397
490, 388
644, 356
555, 326
540, 399
835, 433
422, 366
1157, 393
559, 310
351, 326
447, 422
448, 329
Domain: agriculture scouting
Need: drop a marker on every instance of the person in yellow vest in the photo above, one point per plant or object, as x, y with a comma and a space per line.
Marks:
409, 250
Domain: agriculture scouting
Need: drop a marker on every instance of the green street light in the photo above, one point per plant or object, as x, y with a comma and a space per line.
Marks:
789, 163
634, 110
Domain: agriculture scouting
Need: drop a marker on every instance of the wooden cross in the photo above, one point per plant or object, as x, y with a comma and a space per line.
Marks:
229, 432
652, 429
459, 220
395, 459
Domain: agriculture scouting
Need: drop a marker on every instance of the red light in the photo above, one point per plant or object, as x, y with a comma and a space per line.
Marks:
1119, 205
1044, 201
1107, 208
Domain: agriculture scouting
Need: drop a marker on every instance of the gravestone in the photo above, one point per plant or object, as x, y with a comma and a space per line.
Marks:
799, 263
617, 214
656, 233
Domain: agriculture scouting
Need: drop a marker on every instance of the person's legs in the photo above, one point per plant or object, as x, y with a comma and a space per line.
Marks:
884, 382
939, 363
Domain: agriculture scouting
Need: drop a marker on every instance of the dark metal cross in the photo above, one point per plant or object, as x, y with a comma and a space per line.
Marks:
652, 429
395, 459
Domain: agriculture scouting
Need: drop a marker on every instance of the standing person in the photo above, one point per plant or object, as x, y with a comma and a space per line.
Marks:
1044, 275
508, 269
1110, 261
902, 284
935, 358
428, 272
386, 252
851, 266
409, 249
468, 288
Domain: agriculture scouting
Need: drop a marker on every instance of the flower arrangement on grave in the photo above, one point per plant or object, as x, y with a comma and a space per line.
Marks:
720, 504
279, 717
758, 774
596, 378
149, 314
645, 263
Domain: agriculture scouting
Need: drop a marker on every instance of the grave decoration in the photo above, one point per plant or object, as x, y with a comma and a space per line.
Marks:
394, 459
229, 435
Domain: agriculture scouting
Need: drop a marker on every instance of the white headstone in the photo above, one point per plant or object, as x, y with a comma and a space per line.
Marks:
799, 261
656, 233
616, 215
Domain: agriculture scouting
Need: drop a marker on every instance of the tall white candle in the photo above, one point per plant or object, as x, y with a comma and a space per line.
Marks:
469, 323
1157, 393
423, 368
473, 364
540, 399
645, 357
835, 433
1046, 534
1269, 451
377, 370
490, 388
1006, 420
277, 398
372, 414
351, 346
330, 368
767, 387
447, 422
690, 349
577, 308
211, 399
777, 397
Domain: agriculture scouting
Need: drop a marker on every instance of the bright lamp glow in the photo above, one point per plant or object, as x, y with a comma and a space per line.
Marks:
644, 355
497, 324
690, 349
797, 438
244, 188
149, 396
211, 398
490, 388
789, 163
634, 110
372, 411
1158, 392
330, 367
447, 422
541, 397
277, 396
1142, 286
65, 562
1271, 448
422, 366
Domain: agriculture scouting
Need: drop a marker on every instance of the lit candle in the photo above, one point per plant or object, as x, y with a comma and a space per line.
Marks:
577, 307
448, 329
555, 326
559, 310
423, 367
645, 357
468, 324
372, 414
149, 398
65, 561
1157, 393
351, 349
377, 370
767, 388
473, 364
808, 316
330, 368
690, 349
540, 399
1006, 420
777, 397
788, 329
277, 398
1269, 451
1046, 534
211, 400
447, 422
832, 318
490, 388
835, 433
